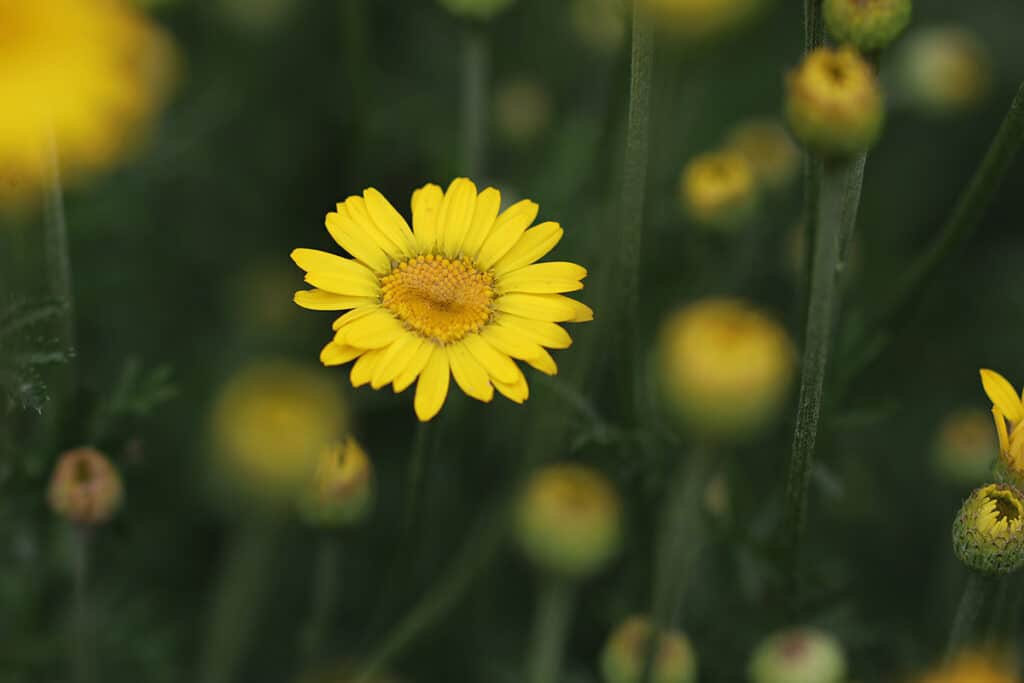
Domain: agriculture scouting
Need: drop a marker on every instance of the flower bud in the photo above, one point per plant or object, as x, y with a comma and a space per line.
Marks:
85, 487
834, 102
725, 368
866, 24
769, 149
988, 533
569, 520
476, 9
944, 69
522, 110
801, 655
341, 491
719, 190
966, 447
700, 20
624, 655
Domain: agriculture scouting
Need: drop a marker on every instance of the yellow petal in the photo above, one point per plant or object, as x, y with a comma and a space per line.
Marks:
363, 368
534, 244
488, 203
373, 331
498, 365
354, 314
456, 215
553, 308
355, 240
426, 202
469, 374
543, 362
354, 208
417, 361
1002, 394
432, 386
553, 277
338, 354
517, 391
396, 358
319, 300
1004, 439
538, 331
316, 261
389, 221
517, 346
507, 230
342, 284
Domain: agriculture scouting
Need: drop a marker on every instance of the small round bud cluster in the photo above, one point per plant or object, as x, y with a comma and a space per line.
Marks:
770, 150
476, 9
800, 655
341, 491
625, 653
866, 24
719, 189
966, 447
988, 533
834, 102
569, 520
85, 487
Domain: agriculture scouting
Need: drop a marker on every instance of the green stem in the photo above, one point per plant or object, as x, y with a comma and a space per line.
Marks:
58, 259
550, 629
837, 212
82, 661
813, 32
326, 571
475, 68
813, 37
977, 592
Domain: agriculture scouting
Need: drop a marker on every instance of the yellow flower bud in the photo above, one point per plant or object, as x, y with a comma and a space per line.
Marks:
569, 520
802, 655
988, 533
476, 9
944, 69
770, 150
522, 110
834, 102
341, 491
700, 20
966, 447
270, 423
85, 487
725, 368
623, 657
866, 24
719, 189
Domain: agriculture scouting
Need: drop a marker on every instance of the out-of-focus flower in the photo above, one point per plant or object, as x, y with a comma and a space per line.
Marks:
255, 16
569, 520
522, 110
944, 69
834, 102
801, 655
700, 20
1008, 413
770, 150
476, 9
458, 295
866, 24
623, 657
971, 666
601, 24
725, 368
341, 490
79, 81
965, 447
719, 189
270, 423
85, 487
988, 533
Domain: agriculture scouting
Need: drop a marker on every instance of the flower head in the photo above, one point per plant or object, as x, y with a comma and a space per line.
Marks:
623, 656
1008, 413
801, 655
79, 78
85, 487
988, 534
719, 189
569, 520
972, 666
945, 69
965, 447
866, 24
769, 149
458, 295
341, 490
834, 102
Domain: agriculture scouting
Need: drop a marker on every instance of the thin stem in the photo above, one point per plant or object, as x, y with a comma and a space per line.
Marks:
837, 212
58, 259
82, 658
812, 166
813, 32
977, 592
326, 571
550, 629
475, 68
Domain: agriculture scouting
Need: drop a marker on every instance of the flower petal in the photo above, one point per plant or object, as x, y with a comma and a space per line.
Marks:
488, 203
354, 208
538, 331
1002, 394
553, 277
426, 203
417, 361
517, 346
373, 331
342, 284
396, 358
316, 261
319, 300
389, 221
456, 215
432, 386
553, 308
517, 391
469, 374
534, 244
363, 368
498, 365
354, 314
507, 230
355, 240
338, 354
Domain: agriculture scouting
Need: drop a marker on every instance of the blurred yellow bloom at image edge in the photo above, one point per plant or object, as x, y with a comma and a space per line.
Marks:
457, 295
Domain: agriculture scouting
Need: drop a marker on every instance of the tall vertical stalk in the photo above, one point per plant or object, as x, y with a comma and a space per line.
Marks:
550, 629
82, 654
475, 68
326, 569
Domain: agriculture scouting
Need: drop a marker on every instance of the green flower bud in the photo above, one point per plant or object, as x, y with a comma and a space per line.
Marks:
341, 492
85, 487
623, 657
834, 102
801, 655
476, 9
769, 149
966, 447
719, 190
866, 24
569, 520
988, 534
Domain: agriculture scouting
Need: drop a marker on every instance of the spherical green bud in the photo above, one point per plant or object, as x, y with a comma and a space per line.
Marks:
569, 520
966, 447
341, 492
476, 9
834, 102
866, 24
988, 534
624, 655
719, 190
800, 655
770, 150
85, 487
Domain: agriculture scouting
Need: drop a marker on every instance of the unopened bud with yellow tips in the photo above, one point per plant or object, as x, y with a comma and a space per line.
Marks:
966, 447
800, 655
834, 103
625, 654
476, 9
770, 150
341, 491
719, 189
725, 368
988, 533
85, 487
569, 520
866, 24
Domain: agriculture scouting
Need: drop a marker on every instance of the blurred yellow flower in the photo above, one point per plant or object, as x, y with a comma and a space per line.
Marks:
944, 69
972, 667
698, 20
965, 447
341, 489
458, 295
81, 77
625, 653
719, 189
1008, 413
770, 150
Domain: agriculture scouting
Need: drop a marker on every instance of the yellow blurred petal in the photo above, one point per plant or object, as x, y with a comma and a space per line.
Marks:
488, 203
456, 215
534, 244
1004, 439
426, 203
355, 240
338, 354
372, 331
517, 391
319, 300
342, 284
553, 277
432, 386
508, 228
417, 361
469, 374
396, 358
389, 221
498, 365
540, 332
553, 308
1002, 394
363, 368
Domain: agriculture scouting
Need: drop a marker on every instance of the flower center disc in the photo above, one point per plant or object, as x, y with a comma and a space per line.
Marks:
439, 298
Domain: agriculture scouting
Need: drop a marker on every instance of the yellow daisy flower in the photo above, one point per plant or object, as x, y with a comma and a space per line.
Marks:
1008, 412
457, 295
